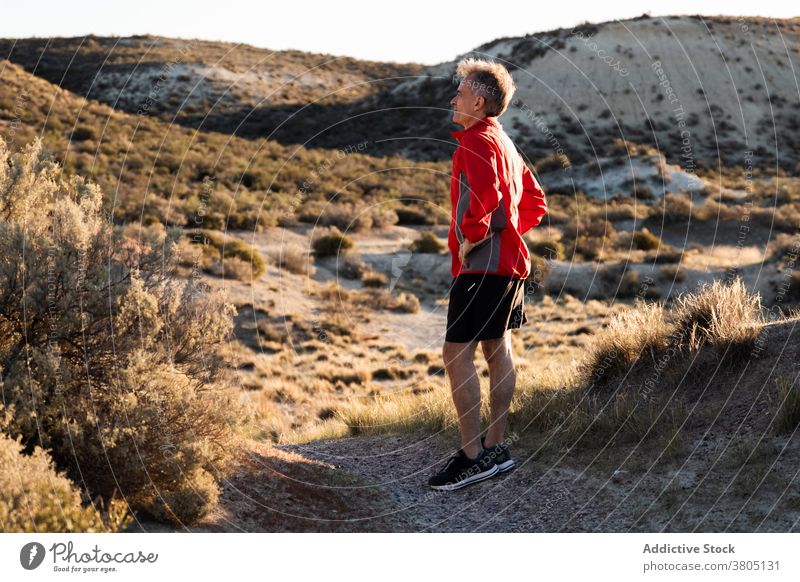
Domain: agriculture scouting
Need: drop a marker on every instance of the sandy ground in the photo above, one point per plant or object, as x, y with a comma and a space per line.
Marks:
379, 484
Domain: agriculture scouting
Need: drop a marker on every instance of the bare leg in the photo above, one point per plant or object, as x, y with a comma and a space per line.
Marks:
502, 381
466, 389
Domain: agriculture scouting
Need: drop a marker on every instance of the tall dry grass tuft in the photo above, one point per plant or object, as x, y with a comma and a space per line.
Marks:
631, 335
722, 318
430, 412
721, 314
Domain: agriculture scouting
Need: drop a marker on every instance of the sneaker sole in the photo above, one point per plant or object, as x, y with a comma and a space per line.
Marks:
507, 466
468, 481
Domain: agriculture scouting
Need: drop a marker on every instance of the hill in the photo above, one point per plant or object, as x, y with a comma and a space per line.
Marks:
153, 170
703, 90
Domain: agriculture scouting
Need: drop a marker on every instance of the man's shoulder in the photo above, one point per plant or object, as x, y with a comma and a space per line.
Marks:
480, 141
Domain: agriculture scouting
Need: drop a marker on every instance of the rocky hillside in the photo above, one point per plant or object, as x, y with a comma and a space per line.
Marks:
152, 170
703, 90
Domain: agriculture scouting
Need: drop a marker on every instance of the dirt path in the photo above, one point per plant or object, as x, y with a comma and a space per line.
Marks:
551, 495
378, 484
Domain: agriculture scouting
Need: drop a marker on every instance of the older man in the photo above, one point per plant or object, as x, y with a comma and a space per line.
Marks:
495, 199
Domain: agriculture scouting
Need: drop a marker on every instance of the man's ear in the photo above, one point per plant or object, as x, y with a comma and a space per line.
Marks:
480, 102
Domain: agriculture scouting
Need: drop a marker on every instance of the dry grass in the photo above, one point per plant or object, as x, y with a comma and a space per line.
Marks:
643, 240
230, 256
718, 314
332, 243
630, 335
569, 408
427, 242
294, 259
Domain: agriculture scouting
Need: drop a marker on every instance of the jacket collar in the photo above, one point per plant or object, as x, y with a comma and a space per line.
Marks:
492, 121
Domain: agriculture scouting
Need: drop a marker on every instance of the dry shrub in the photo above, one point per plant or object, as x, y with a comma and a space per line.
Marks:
374, 280
547, 249
720, 313
675, 209
629, 335
720, 319
408, 215
381, 299
107, 360
714, 210
673, 273
787, 217
347, 216
246, 263
589, 235
643, 240
351, 266
540, 268
236, 268
427, 242
34, 497
293, 258
331, 243
784, 248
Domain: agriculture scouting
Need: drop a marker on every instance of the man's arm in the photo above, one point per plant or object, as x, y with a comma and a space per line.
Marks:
480, 166
532, 205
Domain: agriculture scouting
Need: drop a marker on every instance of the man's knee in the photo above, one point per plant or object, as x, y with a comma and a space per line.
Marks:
495, 350
454, 353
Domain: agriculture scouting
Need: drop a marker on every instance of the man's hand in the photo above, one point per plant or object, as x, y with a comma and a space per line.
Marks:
466, 247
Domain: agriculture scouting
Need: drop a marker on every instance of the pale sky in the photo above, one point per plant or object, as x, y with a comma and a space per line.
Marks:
423, 31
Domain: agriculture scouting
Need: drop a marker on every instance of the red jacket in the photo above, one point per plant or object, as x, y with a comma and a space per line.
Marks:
492, 191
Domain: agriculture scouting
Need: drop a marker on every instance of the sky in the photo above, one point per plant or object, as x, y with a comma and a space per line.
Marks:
427, 32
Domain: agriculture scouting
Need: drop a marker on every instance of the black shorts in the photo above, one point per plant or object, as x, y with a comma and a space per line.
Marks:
484, 307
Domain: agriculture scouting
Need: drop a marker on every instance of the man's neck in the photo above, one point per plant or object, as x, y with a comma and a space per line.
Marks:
474, 120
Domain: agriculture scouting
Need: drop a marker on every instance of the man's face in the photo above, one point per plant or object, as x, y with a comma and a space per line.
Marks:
467, 106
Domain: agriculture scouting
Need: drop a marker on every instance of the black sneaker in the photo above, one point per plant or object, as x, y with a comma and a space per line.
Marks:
461, 471
500, 456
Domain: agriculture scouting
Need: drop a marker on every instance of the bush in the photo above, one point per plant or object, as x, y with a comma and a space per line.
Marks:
406, 303
589, 235
540, 268
374, 280
332, 243
247, 263
293, 258
673, 273
407, 215
551, 250
630, 334
113, 368
719, 313
83, 133
346, 216
34, 497
427, 242
784, 248
721, 316
644, 240
351, 267
676, 209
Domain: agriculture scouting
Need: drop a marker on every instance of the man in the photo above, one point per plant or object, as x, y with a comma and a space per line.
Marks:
495, 200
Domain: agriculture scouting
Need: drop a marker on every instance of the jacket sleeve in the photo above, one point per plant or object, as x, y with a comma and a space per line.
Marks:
480, 166
532, 205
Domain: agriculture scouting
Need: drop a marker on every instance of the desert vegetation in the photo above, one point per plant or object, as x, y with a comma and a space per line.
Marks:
107, 361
